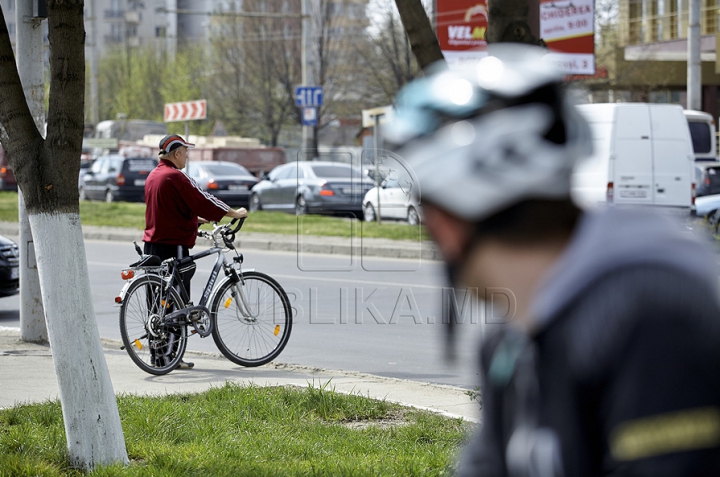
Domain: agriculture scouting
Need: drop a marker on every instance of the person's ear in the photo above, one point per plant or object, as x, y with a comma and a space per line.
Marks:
448, 232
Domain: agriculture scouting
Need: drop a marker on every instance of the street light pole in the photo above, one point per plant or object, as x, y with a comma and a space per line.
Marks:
694, 72
29, 41
305, 57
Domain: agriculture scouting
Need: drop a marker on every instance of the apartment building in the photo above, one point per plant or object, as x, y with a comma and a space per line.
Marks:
132, 23
646, 57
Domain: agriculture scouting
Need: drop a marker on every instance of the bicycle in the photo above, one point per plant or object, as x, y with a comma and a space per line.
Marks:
248, 317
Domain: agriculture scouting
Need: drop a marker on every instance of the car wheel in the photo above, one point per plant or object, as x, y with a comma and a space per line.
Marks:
369, 213
109, 197
82, 194
300, 206
255, 204
413, 218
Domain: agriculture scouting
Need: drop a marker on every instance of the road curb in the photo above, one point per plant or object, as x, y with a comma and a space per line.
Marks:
356, 246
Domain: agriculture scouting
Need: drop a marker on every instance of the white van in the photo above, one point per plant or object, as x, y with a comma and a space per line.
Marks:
702, 133
643, 155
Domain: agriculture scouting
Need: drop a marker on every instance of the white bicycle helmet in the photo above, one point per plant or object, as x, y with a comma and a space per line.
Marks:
490, 135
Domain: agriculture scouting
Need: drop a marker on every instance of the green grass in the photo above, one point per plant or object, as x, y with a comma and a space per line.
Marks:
246, 431
132, 215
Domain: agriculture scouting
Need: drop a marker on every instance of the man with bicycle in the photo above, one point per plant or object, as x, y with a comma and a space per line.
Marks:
175, 206
611, 364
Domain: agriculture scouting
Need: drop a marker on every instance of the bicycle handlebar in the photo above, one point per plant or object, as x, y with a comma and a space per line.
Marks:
240, 223
227, 232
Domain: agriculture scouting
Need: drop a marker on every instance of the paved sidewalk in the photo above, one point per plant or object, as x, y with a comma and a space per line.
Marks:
27, 375
372, 247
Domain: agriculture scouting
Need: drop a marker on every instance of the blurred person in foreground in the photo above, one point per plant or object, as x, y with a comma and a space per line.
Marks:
611, 365
175, 206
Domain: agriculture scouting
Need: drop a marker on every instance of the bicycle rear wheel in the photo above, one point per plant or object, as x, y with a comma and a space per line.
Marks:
254, 331
154, 345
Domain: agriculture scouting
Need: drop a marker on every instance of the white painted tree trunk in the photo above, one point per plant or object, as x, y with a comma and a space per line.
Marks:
92, 422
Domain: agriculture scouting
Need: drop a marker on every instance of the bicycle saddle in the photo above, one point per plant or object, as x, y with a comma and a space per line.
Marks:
147, 261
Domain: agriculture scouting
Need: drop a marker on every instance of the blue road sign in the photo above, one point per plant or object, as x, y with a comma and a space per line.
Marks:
308, 96
309, 117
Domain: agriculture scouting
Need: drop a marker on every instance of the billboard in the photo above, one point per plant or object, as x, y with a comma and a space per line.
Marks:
568, 28
460, 27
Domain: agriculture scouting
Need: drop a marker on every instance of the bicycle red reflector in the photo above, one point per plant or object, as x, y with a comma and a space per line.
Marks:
326, 192
118, 299
127, 274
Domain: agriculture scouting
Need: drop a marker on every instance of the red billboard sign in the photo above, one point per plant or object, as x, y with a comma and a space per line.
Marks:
460, 26
568, 29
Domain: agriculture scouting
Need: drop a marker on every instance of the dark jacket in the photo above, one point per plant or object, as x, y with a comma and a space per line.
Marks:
173, 203
621, 375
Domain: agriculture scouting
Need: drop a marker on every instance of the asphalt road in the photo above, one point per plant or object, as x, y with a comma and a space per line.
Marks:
374, 315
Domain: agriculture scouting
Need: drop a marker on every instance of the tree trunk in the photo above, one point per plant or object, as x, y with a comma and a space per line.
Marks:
47, 174
508, 22
424, 43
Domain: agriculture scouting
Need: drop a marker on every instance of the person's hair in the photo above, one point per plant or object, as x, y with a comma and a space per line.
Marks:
167, 155
531, 221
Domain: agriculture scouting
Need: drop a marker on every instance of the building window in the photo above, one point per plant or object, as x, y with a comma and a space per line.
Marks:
11, 28
708, 17
635, 22
160, 32
11, 6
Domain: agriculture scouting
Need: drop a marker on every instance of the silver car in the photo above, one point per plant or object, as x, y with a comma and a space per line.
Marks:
318, 187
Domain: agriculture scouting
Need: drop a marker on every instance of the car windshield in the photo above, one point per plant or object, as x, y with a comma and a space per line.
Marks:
339, 171
226, 170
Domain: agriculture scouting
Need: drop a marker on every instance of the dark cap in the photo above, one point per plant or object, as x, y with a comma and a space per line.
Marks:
171, 142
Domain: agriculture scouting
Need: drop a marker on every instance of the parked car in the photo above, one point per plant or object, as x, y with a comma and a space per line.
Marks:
312, 187
396, 201
643, 155
227, 181
707, 178
117, 177
9, 267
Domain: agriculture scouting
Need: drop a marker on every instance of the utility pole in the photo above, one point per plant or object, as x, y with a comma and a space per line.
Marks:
30, 62
94, 106
307, 73
694, 71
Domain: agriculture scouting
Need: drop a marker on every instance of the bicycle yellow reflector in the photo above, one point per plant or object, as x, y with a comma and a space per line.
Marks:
127, 274
228, 302
138, 344
277, 330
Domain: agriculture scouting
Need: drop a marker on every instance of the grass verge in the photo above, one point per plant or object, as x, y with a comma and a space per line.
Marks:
246, 431
132, 215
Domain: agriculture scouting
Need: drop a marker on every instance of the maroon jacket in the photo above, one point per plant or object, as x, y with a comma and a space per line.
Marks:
174, 202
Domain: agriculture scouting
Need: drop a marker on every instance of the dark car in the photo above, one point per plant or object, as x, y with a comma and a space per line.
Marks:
116, 177
312, 187
227, 181
9, 267
707, 178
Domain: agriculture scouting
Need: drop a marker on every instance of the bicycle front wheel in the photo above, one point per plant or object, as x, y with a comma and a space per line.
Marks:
155, 345
252, 319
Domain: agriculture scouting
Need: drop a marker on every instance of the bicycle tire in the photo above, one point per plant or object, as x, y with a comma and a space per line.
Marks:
251, 341
157, 352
